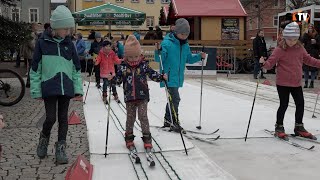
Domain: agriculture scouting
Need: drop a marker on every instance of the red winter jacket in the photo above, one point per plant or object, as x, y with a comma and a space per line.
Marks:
289, 64
107, 62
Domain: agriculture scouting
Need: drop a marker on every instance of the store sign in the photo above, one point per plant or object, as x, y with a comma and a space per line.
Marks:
299, 17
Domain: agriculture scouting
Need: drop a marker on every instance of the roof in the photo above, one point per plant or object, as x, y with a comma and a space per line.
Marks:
166, 11
208, 8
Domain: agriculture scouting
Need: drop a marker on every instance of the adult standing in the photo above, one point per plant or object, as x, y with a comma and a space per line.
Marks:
94, 51
151, 34
260, 51
81, 47
159, 33
311, 42
27, 52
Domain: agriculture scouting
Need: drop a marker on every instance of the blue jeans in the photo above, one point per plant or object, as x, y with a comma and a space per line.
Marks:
174, 92
257, 68
306, 75
106, 84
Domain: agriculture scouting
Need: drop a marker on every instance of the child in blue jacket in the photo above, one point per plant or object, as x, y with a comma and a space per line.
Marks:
175, 53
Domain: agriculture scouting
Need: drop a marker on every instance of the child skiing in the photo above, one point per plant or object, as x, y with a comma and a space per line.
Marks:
107, 58
133, 73
290, 55
55, 78
175, 53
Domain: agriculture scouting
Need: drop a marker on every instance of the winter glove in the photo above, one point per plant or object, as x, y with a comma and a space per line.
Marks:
163, 77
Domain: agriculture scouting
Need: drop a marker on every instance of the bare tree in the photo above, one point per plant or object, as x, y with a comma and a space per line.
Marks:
295, 4
257, 8
9, 2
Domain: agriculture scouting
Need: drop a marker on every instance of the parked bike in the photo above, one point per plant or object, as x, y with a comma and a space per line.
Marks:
12, 87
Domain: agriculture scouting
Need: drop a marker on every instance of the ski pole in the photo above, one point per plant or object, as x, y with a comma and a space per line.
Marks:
106, 150
85, 98
313, 116
199, 127
254, 99
169, 100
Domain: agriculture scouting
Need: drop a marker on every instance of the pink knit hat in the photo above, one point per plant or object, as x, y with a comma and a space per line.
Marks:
132, 47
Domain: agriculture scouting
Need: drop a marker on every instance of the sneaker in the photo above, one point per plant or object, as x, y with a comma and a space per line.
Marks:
280, 132
61, 156
42, 146
299, 130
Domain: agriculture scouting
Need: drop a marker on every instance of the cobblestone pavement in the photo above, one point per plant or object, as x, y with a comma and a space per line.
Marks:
19, 141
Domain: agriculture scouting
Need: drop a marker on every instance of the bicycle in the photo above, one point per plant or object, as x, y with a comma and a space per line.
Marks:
12, 87
248, 62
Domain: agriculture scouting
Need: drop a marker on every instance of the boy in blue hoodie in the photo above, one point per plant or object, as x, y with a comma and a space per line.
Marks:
55, 78
175, 53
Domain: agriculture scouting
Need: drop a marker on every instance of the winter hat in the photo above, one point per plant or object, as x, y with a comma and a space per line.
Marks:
61, 18
182, 26
97, 35
291, 30
132, 47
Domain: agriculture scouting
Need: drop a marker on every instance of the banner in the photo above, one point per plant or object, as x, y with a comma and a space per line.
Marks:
230, 29
209, 64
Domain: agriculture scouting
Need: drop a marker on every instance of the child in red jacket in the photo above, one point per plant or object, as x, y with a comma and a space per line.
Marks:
107, 58
290, 56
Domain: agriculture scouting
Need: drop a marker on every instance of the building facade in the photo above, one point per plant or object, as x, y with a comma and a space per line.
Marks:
28, 11
268, 21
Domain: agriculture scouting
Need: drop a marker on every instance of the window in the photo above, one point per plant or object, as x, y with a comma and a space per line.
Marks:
149, 21
149, 1
275, 21
276, 3
33, 15
134, 1
165, 1
119, 1
15, 14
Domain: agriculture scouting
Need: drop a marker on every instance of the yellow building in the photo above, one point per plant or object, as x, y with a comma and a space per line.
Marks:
150, 7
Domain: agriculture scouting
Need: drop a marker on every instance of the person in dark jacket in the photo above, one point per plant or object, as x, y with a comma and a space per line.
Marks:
94, 51
133, 74
159, 33
81, 47
55, 78
311, 41
151, 34
260, 51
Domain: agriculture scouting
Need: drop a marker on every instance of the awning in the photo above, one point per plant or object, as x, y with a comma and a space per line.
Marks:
109, 14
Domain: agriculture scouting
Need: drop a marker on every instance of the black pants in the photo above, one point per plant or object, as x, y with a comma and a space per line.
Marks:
284, 94
257, 68
50, 104
83, 64
97, 73
174, 92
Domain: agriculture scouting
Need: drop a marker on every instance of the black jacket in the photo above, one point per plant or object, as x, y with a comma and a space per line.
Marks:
259, 47
95, 47
312, 49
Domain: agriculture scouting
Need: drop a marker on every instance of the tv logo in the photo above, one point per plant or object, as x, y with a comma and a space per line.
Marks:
300, 16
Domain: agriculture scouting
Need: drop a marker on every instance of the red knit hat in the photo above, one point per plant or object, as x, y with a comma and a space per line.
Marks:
132, 47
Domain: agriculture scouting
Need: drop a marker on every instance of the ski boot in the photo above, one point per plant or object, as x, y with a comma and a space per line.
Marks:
129, 137
305, 84
116, 97
42, 146
299, 130
166, 123
147, 140
177, 128
280, 132
104, 96
61, 156
311, 84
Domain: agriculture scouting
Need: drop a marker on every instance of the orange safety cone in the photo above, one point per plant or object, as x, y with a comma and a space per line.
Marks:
81, 169
74, 118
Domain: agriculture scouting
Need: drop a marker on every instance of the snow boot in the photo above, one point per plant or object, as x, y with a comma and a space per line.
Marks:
166, 123
305, 84
104, 96
280, 133
299, 130
116, 97
42, 146
311, 84
177, 128
61, 156
129, 137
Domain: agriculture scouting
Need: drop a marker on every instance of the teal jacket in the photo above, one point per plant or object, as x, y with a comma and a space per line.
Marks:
174, 57
55, 68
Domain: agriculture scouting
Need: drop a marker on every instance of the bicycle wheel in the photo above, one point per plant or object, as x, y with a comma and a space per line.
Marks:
248, 65
12, 87
238, 66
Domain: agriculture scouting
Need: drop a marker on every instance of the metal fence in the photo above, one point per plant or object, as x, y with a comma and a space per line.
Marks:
226, 59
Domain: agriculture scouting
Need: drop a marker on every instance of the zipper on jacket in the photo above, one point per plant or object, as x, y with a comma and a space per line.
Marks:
133, 85
62, 88
180, 63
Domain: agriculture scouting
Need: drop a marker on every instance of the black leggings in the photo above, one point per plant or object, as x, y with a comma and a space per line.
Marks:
284, 94
50, 104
